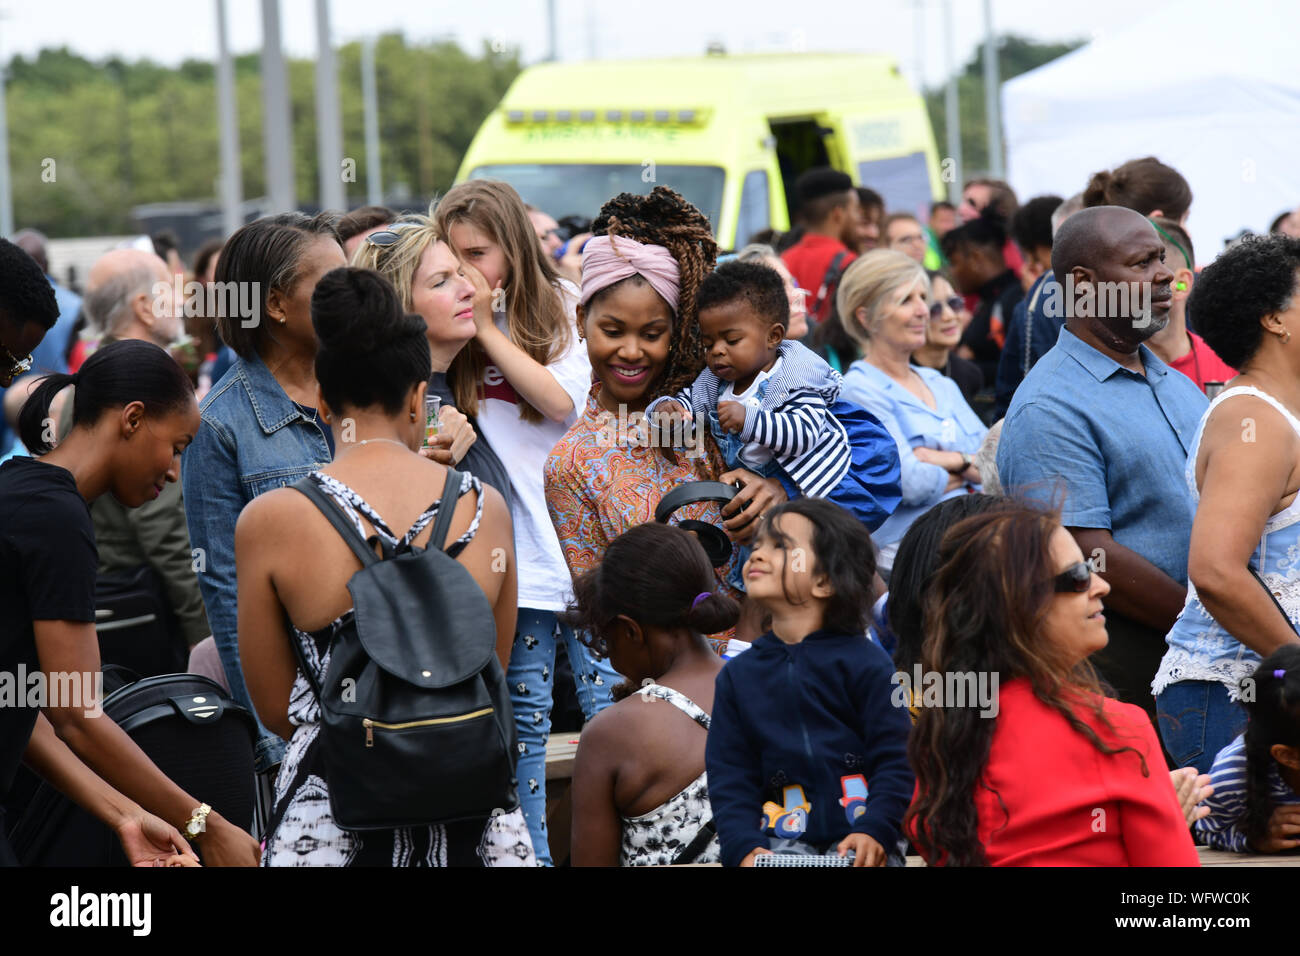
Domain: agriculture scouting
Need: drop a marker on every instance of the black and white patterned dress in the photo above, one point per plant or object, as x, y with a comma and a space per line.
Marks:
657, 837
302, 832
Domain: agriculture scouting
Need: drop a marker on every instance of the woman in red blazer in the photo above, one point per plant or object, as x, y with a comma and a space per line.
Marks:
1045, 771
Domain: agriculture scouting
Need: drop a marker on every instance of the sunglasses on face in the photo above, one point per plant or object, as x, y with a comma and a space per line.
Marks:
1076, 579
953, 302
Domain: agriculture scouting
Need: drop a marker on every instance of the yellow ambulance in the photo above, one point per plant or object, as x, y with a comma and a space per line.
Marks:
730, 133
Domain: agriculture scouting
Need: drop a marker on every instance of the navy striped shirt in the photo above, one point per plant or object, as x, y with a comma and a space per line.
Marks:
794, 419
1225, 827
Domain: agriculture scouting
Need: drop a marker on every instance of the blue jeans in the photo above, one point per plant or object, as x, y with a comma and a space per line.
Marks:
530, 676
1197, 720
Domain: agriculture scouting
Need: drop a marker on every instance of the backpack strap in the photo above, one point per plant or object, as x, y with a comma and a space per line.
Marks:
829, 280
334, 516
691, 852
442, 526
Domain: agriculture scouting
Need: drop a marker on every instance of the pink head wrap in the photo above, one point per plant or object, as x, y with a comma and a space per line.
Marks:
610, 259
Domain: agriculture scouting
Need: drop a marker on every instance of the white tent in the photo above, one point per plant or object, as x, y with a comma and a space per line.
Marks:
1211, 88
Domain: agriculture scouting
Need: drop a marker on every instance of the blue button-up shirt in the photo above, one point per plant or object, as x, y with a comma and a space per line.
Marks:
949, 426
1113, 442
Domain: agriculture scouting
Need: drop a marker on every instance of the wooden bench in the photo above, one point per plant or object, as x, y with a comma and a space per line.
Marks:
560, 751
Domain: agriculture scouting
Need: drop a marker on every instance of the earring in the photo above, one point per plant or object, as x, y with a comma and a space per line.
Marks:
1286, 336
412, 416
1180, 286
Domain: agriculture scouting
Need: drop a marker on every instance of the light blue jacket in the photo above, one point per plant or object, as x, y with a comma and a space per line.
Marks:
949, 426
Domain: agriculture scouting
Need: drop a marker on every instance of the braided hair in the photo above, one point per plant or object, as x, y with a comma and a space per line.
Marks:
664, 218
1274, 719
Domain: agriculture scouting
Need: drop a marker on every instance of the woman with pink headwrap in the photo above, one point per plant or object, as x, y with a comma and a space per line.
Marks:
637, 314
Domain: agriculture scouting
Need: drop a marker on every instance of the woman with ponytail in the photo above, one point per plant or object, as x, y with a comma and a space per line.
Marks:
133, 414
1256, 778
640, 792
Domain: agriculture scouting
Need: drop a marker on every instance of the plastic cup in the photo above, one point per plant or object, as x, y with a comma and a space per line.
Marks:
432, 403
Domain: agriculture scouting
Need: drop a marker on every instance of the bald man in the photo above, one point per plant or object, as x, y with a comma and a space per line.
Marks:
1103, 422
130, 294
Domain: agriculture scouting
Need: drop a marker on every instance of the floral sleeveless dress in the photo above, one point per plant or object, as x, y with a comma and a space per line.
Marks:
302, 831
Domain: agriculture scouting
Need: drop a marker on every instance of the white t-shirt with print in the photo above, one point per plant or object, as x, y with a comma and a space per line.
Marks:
752, 453
544, 580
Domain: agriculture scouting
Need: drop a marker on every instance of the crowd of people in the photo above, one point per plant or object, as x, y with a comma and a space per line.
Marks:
998, 539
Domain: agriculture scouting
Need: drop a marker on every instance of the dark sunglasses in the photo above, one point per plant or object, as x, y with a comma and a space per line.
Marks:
954, 302
1077, 578
386, 237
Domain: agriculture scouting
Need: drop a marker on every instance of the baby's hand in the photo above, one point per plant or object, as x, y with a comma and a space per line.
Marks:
671, 413
731, 416
866, 851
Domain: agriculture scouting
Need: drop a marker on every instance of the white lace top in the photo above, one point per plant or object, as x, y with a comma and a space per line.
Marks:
1199, 647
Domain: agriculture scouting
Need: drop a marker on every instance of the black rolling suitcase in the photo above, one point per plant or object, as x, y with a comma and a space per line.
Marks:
187, 725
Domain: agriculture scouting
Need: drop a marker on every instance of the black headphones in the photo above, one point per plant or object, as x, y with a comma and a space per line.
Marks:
714, 540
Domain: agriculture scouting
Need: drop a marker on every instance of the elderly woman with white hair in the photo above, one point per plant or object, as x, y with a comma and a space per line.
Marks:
883, 301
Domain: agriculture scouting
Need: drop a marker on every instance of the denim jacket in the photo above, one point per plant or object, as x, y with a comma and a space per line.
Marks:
253, 438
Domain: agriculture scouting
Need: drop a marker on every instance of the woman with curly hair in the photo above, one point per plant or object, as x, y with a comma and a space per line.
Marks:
640, 276
1243, 596
1053, 773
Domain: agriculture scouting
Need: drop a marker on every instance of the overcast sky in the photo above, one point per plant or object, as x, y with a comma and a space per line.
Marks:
168, 31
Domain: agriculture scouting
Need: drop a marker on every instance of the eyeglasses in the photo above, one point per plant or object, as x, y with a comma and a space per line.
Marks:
1077, 578
11, 366
954, 302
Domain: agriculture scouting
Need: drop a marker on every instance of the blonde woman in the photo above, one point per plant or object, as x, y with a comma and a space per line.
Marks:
884, 302
415, 258
533, 375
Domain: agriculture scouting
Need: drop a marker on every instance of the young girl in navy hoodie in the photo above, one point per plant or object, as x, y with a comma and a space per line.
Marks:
807, 753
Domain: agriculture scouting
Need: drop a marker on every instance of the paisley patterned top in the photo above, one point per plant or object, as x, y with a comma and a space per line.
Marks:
602, 480
657, 837
1199, 647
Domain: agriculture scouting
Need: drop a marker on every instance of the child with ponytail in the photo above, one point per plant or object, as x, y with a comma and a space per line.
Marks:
640, 792
1256, 778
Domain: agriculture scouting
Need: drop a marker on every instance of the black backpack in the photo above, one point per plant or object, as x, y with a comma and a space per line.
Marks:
188, 726
416, 726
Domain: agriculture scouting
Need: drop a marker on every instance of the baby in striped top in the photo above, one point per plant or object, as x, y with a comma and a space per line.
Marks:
773, 406
1256, 778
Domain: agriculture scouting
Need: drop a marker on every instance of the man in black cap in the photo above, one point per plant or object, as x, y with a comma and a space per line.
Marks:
828, 213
